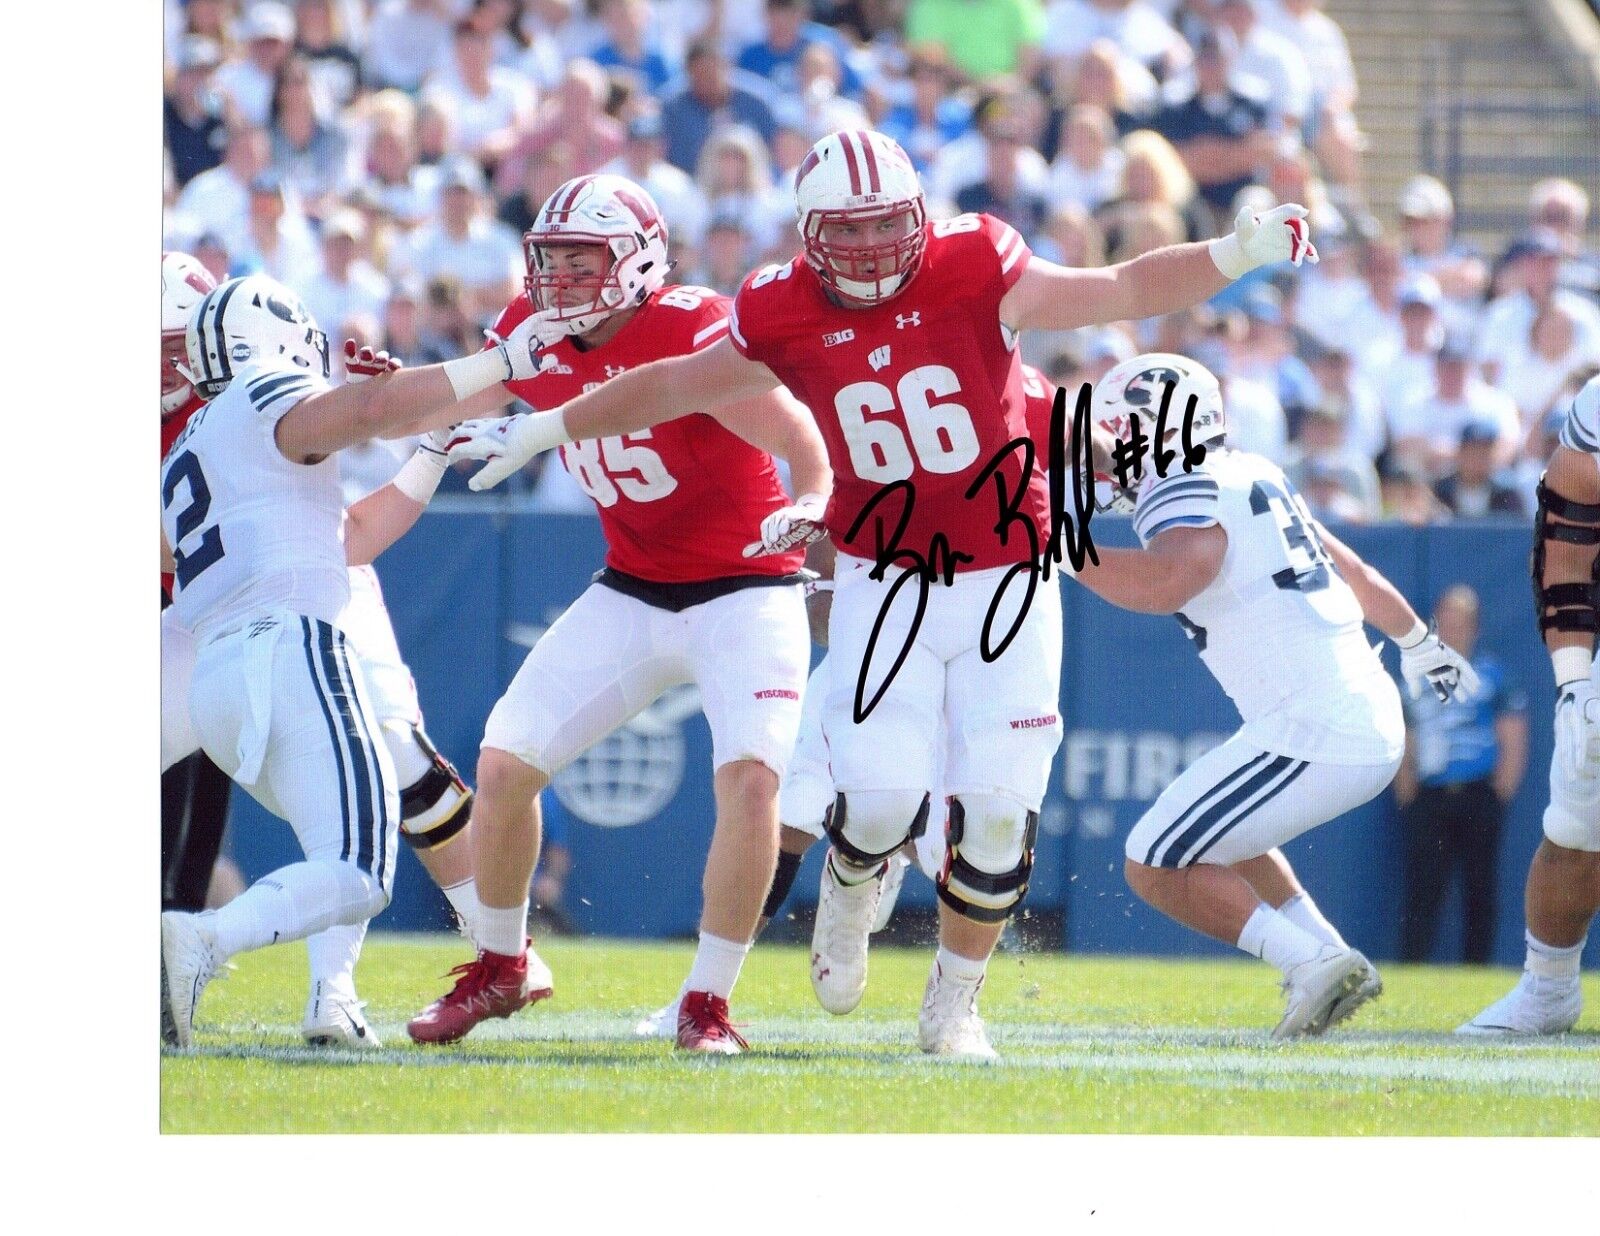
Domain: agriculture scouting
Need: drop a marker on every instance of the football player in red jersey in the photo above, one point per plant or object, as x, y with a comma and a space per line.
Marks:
900, 334
679, 599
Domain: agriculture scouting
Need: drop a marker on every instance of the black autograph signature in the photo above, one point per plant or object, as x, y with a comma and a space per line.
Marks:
1069, 532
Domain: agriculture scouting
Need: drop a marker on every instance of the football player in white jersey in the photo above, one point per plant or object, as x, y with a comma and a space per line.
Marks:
255, 530
1274, 605
1563, 890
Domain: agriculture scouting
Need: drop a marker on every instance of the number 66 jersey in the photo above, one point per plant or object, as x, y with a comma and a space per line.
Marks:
1278, 628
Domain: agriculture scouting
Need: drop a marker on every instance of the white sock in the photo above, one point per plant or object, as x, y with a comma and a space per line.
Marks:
1304, 914
847, 874
1269, 935
333, 955
294, 902
1549, 962
463, 899
502, 929
958, 968
716, 965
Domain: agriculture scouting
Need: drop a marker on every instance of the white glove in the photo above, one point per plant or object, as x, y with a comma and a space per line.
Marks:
361, 364
523, 346
1440, 666
1280, 235
790, 527
504, 444
1578, 729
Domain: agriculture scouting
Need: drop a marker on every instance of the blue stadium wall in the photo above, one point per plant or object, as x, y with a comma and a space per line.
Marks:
467, 590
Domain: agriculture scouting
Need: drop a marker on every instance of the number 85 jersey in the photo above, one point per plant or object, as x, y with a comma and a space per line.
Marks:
678, 503
1279, 629
924, 388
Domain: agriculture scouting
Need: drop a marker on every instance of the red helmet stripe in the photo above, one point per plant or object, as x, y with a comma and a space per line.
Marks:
872, 163
851, 164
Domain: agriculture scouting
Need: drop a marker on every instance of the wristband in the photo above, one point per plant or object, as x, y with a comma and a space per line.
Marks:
420, 475
542, 431
471, 375
1571, 664
1229, 257
1413, 637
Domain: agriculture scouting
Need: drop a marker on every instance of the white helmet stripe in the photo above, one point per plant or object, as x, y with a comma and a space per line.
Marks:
226, 373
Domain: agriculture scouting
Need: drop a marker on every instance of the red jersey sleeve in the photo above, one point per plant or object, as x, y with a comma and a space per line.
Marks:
1039, 395
1010, 251
754, 312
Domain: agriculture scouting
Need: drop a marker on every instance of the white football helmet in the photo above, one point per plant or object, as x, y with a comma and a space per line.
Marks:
250, 321
183, 282
1136, 388
596, 210
861, 215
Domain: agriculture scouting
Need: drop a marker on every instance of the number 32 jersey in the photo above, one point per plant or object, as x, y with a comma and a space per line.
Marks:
924, 388
678, 503
1278, 628
251, 531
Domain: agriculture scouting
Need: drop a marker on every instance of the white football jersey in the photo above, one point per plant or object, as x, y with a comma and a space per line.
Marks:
251, 531
1582, 430
1278, 628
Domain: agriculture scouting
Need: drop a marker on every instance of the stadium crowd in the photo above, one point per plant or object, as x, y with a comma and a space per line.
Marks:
383, 157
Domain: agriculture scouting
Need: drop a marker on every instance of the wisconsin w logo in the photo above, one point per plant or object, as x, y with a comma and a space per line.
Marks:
878, 358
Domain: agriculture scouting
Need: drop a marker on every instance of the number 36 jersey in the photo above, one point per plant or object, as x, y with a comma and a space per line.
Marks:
1278, 628
251, 531
924, 388
678, 503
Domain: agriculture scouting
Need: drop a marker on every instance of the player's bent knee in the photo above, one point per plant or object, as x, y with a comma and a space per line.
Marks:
989, 858
435, 803
866, 826
750, 784
505, 779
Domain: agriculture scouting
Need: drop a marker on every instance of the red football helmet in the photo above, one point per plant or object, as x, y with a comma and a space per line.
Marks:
184, 281
861, 215
597, 210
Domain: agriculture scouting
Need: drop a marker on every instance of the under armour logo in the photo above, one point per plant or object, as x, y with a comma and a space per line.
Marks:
878, 358
613, 370
903, 320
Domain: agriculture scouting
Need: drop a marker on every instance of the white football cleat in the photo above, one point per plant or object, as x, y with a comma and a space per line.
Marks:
845, 914
662, 1024
1534, 1006
189, 960
949, 1024
334, 1019
893, 878
1336, 979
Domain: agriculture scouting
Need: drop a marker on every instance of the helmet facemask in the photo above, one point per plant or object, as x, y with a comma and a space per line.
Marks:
602, 292
874, 270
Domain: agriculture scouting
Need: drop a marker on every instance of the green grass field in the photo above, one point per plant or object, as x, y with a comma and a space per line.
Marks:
1088, 1045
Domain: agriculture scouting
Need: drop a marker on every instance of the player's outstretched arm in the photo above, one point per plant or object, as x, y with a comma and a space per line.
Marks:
649, 395
781, 425
1051, 297
1179, 564
388, 513
1425, 659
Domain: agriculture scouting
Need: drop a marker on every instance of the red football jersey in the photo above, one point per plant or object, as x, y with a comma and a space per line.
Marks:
171, 427
924, 388
1039, 400
679, 502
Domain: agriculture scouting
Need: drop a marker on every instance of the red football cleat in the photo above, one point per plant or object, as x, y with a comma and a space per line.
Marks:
703, 1025
494, 985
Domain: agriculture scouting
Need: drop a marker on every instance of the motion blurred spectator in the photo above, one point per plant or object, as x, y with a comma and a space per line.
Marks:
1562, 207
347, 285
1152, 174
219, 200
1322, 453
482, 254
322, 40
714, 95
309, 154
487, 103
1088, 171
1221, 128
265, 35
1429, 246
277, 239
1408, 496
447, 328
735, 178
1331, 129
1406, 373
192, 114
1464, 762
727, 254
629, 46
1370, 325
1273, 60
574, 117
1005, 191
1537, 368
790, 32
392, 178
1136, 28
402, 323
407, 39
1349, 396
1428, 429
981, 37
820, 104
675, 192
1472, 490
1002, 107
934, 116
1532, 267
1103, 78
1265, 353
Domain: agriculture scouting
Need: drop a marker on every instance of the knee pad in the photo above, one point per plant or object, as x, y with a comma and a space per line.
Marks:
873, 824
435, 804
989, 858
1572, 818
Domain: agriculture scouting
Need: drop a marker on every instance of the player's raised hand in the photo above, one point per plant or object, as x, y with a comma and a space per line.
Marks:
530, 337
1578, 729
361, 364
790, 527
1432, 662
1278, 235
